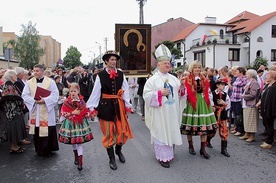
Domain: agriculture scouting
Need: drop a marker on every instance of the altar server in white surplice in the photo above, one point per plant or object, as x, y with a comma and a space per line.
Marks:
42, 113
163, 107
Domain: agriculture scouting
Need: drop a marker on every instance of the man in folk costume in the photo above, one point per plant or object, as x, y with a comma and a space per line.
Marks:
42, 113
110, 102
162, 108
222, 104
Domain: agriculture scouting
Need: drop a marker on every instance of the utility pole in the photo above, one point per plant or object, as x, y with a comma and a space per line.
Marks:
105, 42
100, 50
141, 5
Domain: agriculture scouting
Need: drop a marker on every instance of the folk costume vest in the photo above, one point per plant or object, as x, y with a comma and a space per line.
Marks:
192, 89
43, 114
108, 109
216, 96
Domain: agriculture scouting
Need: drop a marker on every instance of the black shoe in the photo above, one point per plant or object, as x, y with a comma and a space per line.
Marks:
79, 168
225, 153
263, 134
263, 139
203, 151
118, 152
192, 151
38, 154
204, 154
48, 154
209, 145
165, 164
112, 162
224, 148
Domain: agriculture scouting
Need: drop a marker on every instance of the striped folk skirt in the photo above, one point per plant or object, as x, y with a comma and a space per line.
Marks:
75, 132
199, 121
250, 119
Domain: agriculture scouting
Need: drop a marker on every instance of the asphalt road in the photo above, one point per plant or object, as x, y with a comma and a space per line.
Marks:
248, 162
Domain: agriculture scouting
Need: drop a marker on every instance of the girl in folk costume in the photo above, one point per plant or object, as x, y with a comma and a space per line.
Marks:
222, 104
198, 117
75, 129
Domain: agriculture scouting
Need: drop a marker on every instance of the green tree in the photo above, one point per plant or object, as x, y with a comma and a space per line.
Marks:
26, 48
174, 51
72, 57
258, 62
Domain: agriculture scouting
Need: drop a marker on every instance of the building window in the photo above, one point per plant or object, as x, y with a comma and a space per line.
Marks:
200, 56
221, 33
273, 55
273, 31
178, 46
260, 39
259, 53
234, 54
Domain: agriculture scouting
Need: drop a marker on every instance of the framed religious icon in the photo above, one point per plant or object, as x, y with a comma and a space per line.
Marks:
133, 42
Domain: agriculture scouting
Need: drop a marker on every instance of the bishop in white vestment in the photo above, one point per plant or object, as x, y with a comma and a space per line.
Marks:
163, 109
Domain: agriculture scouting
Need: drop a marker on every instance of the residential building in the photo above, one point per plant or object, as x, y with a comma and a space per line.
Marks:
51, 46
239, 41
166, 31
52, 51
7, 57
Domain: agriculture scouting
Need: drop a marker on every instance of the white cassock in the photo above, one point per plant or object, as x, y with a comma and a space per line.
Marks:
50, 102
163, 121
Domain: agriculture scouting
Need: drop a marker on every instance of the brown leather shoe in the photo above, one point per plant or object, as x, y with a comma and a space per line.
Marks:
266, 146
251, 139
25, 142
237, 134
244, 137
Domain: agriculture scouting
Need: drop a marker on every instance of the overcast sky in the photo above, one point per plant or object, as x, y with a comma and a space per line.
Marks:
83, 23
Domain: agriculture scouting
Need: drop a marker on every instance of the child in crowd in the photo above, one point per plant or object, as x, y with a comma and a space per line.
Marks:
75, 128
221, 104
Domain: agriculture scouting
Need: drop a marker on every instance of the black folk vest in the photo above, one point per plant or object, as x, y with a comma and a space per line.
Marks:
108, 109
223, 114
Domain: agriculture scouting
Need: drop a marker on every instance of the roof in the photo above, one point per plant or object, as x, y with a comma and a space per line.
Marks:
185, 32
244, 22
242, 17
250, 25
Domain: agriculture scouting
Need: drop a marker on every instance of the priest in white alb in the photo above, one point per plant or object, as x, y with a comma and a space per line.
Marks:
163, 107
42, 113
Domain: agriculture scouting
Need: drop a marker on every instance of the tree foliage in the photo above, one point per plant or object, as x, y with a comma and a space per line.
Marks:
260, 61
26, 48
257, 63
72, 58
174, 51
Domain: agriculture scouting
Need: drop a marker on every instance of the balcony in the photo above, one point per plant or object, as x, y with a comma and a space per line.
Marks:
211, 40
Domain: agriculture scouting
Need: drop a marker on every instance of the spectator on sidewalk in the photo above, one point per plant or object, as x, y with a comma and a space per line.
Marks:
141, 83
133, 87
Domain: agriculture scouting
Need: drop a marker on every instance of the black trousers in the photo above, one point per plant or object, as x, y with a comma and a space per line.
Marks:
238, 113
270, 130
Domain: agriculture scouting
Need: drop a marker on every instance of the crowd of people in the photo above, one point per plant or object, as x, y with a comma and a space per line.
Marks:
196, 102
